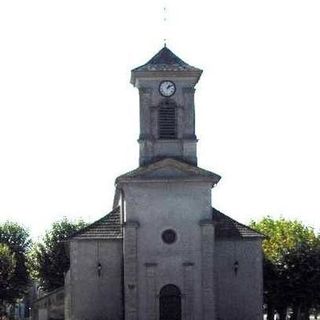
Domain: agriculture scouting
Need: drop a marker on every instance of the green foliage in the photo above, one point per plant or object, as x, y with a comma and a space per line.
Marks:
301, 267
15, 236
291, 266
283, 235
14, 276
7, 269
49, 258
7, 262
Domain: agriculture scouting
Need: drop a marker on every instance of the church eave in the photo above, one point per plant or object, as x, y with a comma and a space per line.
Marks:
99, 238
212, 180
185, 173
168, 73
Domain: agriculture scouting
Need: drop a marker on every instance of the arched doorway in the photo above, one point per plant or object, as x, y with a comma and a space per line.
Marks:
170, 303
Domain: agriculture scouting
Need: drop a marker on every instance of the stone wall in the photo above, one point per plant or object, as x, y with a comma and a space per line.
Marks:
94, 294
50, 306
239, 285
185, 146
152, 208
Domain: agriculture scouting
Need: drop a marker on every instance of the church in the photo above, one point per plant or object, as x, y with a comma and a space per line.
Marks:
164, 252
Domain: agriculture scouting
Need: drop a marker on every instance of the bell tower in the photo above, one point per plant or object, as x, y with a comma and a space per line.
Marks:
167, 116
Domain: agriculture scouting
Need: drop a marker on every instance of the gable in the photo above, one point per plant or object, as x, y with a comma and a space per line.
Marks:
169, 169
167, 172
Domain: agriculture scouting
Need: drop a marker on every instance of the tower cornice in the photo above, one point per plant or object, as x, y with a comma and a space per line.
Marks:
138, 76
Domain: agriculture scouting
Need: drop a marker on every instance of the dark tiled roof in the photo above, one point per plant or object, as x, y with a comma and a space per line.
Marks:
225, 227
108, 227
166, 60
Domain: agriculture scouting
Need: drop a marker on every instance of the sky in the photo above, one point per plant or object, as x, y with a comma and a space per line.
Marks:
69, 116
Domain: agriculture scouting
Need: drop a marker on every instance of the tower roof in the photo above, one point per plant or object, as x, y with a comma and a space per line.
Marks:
165, 60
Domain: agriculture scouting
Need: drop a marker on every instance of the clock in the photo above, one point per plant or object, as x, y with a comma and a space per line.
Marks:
167, 88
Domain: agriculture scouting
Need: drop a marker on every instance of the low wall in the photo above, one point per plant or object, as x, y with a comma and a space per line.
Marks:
50, 306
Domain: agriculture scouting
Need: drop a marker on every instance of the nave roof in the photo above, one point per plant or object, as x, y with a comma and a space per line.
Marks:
109, 227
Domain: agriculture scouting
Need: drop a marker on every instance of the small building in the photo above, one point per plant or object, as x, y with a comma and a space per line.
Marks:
164, 252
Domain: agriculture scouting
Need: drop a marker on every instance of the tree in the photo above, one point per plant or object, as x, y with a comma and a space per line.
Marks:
302, 272
283, 237
49, 258
274, 288
16, 239
7, 269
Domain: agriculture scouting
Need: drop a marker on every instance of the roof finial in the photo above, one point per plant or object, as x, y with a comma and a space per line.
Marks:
164, 24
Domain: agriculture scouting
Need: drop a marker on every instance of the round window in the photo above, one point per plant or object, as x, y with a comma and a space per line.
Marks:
169, 236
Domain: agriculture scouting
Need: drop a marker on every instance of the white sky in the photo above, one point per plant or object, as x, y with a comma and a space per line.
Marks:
69, 117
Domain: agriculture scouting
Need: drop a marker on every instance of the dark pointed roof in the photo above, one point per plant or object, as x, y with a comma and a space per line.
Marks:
108, 227
166, 60
227, 228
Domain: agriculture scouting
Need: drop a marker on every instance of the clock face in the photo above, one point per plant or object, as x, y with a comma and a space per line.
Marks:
167, 88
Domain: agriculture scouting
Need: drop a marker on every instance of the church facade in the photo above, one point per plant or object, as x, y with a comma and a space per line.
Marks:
163, 252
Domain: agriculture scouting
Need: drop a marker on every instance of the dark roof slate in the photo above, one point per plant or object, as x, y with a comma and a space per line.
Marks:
166, 60
108, 227
227, 228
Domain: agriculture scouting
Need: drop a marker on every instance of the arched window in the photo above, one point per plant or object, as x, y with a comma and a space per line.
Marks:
167, 121
170, 303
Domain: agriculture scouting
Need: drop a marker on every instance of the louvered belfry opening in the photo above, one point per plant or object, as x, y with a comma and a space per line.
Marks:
167, 121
